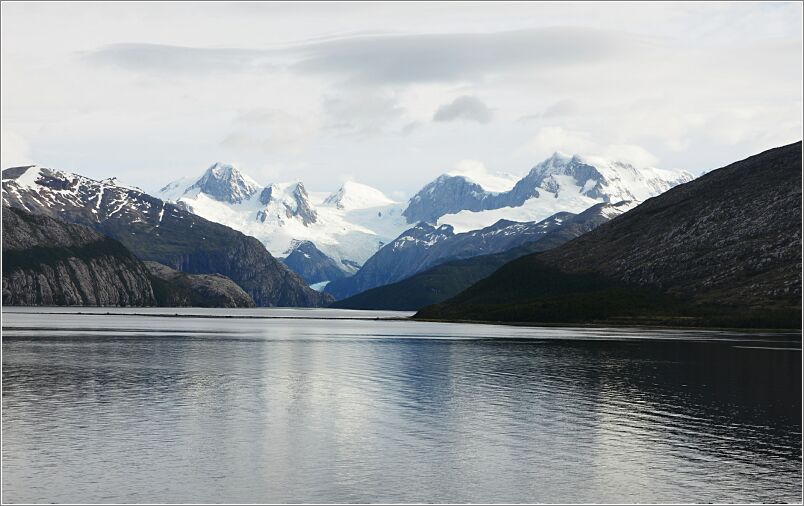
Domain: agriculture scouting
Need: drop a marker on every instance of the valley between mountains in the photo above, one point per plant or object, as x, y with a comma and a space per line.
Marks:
494, 248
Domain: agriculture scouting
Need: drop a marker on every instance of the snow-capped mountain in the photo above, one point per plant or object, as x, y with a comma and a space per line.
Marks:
153, 229
560, 183
354, 195
424, 245
445, 195
286, 201
348, 226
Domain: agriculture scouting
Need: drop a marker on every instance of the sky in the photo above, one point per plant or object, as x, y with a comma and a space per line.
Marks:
392, 94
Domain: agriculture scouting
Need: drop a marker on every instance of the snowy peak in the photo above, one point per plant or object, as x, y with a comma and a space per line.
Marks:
569, 182
53, 192
423, 233
288, 200
24, 176
446, 194
225, 183
354, 195
601, 179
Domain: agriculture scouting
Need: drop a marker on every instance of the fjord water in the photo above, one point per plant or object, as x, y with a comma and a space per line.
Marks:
134, 407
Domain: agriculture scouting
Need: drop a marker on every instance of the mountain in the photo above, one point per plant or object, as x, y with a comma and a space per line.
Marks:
156, 230
724, 249
174, 288
446, 195
225, 183
352, 224
560, 183
436, 284
311, 264
47, 262
347, 226
354, 195
425, 245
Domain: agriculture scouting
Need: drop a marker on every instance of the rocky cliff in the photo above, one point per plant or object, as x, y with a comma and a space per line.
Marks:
47, 262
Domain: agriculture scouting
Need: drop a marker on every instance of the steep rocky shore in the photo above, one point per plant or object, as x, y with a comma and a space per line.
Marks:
48, 262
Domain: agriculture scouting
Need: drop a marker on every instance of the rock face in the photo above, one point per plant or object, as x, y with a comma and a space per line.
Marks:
724, 249
563, 177
286, 201
47, 262
156, 230
196, 290
311, 264
425, 246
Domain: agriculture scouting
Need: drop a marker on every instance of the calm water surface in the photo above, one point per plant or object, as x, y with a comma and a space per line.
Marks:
136, 407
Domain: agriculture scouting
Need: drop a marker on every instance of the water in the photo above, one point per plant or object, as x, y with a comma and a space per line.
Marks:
133, 407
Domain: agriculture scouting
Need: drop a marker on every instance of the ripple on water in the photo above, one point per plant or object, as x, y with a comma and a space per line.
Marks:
126, 408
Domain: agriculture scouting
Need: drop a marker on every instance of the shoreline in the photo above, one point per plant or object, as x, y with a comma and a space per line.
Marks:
587, 326
617, 325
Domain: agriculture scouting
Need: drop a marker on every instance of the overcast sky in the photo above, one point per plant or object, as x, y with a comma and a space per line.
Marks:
393, 94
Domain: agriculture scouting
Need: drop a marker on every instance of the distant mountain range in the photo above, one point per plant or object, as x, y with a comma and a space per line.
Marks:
723, 250
349, 230
560, 183
158, 231
450, 277
578, 239
347, 226
425, 245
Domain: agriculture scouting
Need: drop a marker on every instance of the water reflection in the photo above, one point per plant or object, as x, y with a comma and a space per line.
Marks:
177, 410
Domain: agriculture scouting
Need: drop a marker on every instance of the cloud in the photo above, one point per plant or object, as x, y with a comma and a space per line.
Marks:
383, 59
477, 171
467, 108
167, 59
456, 57
548, 140
361, 112
270, 131
14, 150
410, 128
630, 153
565, 107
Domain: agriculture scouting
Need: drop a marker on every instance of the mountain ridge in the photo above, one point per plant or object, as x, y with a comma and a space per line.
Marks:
444, 280
723, 250
425, 245
156, 230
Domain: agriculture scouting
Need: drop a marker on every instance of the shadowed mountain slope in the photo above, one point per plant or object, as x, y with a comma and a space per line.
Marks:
724, 249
